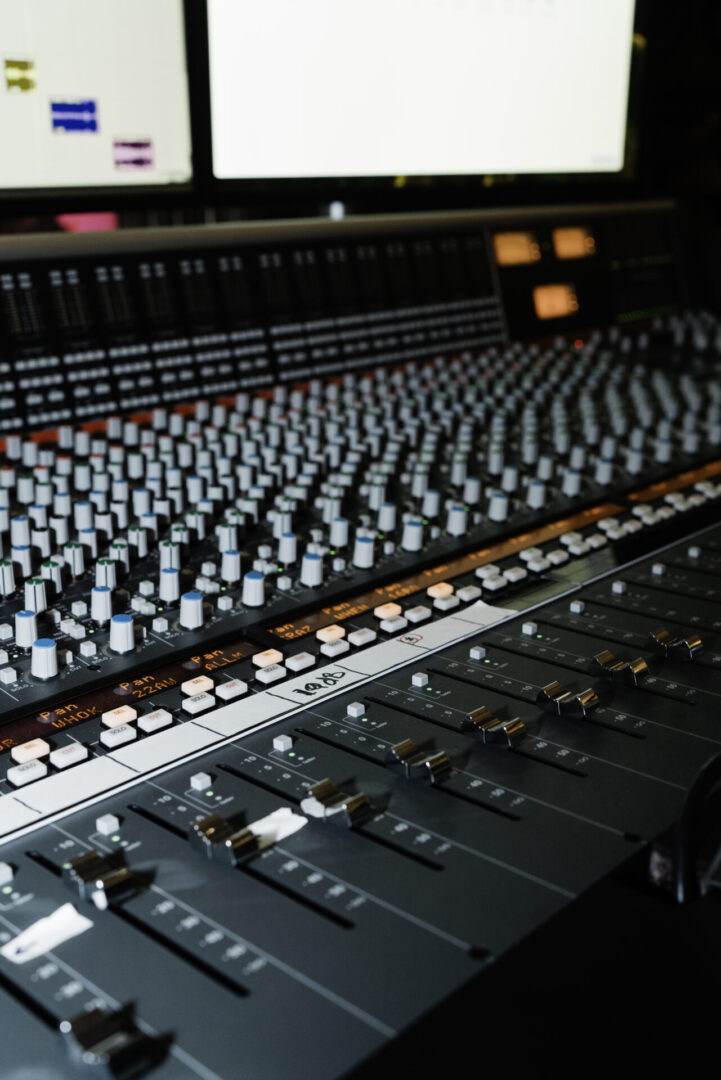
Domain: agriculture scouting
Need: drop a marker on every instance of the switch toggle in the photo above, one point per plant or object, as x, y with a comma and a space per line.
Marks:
492, 730
676, 648
630, 672
416, 764
325, 801
557, 698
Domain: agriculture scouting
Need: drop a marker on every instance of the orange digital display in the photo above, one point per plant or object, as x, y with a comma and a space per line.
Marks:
573, 243
554, 301
516, 248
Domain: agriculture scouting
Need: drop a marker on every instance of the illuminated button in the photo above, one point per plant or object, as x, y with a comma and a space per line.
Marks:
418, 614
282, 743
232, 689
201, 684
30, 751
198, 703
330, 633
557, 557
154, 721
530, 553
124, 714
300, 661
270, 656
335, 648
394, 624
200, 781
596, 540
387, 611
538, 565
514, 574
362, 637
489, 570
493, 584
19, 775
8, 676
445, 603
467, 593
270, 674
579, 547
438, 591
65, 756
107, 824
570, 538
118, 736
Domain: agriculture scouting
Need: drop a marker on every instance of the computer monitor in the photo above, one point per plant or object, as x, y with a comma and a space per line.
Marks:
418, 88
93, 96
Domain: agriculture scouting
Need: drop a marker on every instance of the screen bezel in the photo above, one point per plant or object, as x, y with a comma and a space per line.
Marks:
18, 201
393, 194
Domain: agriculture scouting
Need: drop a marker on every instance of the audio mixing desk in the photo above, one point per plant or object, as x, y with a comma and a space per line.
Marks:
361, 606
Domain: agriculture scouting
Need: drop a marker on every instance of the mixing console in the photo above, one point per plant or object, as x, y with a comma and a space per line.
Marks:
319, 699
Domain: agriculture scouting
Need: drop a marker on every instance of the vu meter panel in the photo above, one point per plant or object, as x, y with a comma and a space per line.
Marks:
516, 248
415, 94
573, 242
554, 301
93, 94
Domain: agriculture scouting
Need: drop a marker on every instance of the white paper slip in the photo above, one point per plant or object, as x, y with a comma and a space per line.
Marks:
483, 614
325, 679
46, 934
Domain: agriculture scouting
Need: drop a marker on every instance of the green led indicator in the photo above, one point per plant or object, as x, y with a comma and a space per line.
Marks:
292, 754
539, 635
425, 521
91, 631
115, 839
332, 551
380, 536
364, 720
8, 889
486, 661
209, 794
222, 587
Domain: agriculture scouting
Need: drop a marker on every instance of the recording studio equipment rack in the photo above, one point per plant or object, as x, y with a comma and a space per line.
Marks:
359, 614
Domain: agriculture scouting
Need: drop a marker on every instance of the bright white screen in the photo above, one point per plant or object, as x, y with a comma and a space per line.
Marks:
418, 87
93, 93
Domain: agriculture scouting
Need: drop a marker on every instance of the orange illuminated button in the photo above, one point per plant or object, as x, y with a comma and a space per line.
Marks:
440, 590
387, 611
270, 656
201, 684
30, 751
124, 714
330, 633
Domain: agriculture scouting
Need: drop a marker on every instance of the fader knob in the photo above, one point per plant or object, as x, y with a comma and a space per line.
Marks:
122, 633
230, 566
571, 483
26, 628
253, 589
311, 570
101, 604
35, 598
456, 521
44, 659
412, 539
287, 548
363, 552
169, 587
498, 506
75, 558
536, 495
7, 577
191, 610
